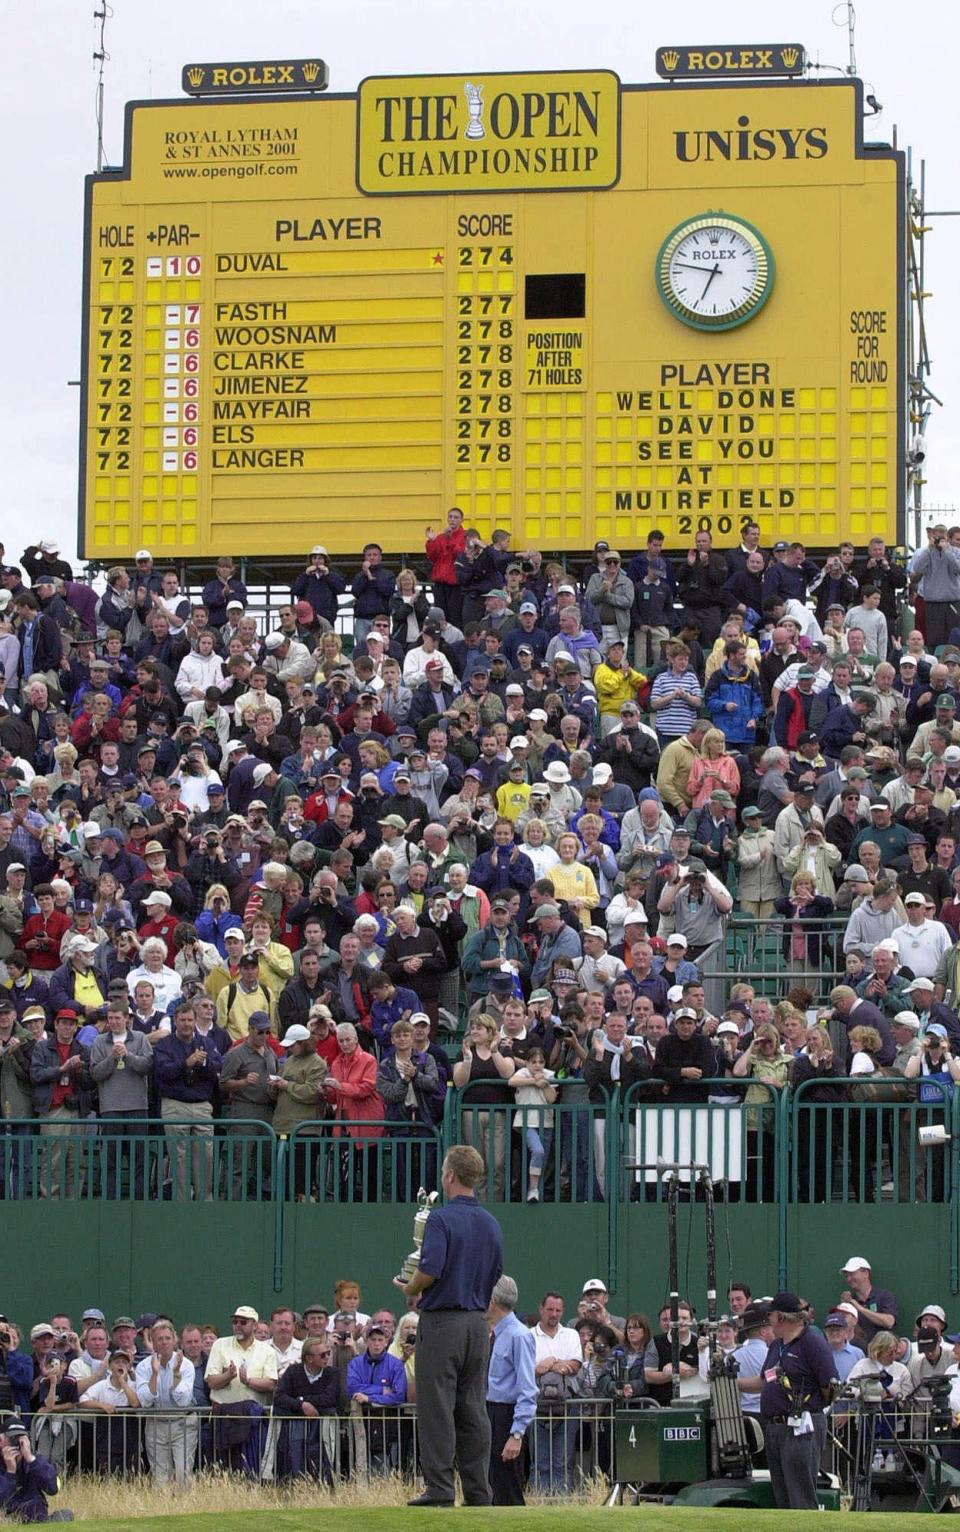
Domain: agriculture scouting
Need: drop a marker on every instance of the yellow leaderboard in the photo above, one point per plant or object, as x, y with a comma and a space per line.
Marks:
575, 309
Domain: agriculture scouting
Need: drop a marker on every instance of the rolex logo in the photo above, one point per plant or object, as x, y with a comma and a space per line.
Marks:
195, 76
713, 236
311, 73
671, 58
791, 57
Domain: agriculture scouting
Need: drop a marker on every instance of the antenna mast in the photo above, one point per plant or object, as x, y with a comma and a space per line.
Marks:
100, 59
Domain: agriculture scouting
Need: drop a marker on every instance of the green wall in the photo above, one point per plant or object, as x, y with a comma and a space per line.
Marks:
198, 1261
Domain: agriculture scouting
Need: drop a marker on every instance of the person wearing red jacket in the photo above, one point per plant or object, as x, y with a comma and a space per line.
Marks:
351, 1085
443, 550
43, 932
160, 921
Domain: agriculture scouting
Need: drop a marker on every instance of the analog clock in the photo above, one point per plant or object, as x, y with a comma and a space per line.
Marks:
714, 271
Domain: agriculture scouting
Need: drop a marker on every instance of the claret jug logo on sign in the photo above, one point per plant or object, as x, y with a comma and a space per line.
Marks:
539, 132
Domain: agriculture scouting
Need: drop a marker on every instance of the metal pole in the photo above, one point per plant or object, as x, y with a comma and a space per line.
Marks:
674, 1279
711, 1233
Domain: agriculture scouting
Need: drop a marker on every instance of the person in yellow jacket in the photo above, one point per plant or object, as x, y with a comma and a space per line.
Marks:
571, 881
513, 796
616, 682
276, 959
241, 997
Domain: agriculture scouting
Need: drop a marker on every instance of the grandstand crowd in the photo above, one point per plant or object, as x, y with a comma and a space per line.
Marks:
255, 871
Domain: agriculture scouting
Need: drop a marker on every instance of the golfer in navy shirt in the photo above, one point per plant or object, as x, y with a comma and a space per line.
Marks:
798, 1377
460, 1261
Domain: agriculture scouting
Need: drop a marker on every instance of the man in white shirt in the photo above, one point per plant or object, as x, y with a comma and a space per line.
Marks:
287, 1350
164, 1382
559, 1357
241, 1375
922, 942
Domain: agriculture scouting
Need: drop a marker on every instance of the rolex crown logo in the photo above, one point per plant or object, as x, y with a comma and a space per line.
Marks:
791, 57
195, 76
713, 236
670, 57
311, 72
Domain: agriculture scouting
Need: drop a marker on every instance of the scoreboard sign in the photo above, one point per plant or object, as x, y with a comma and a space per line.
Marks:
574, 308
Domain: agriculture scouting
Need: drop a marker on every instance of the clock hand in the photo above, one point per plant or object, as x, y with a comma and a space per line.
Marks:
687, 267
709, 280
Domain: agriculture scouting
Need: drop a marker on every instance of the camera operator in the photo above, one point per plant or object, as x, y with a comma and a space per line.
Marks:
26, 1479
593, 1305
210, 863
570, 1051
16, 1370
932, 1359
938, 565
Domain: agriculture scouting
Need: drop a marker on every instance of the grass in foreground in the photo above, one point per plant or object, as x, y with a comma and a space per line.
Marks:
219, 1503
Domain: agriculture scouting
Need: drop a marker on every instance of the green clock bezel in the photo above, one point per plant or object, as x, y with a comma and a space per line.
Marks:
766, 267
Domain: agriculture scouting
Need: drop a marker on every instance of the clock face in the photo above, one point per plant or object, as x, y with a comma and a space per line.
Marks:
714, 272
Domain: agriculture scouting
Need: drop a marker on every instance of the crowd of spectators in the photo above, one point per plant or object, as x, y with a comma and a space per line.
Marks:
252, 873
324, 1391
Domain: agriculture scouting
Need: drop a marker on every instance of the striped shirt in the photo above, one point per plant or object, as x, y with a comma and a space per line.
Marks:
676, 718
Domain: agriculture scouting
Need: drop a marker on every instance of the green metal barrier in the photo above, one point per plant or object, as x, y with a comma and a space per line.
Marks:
326, 1164
857, 1150
173, 1159
753, 952
579, 1143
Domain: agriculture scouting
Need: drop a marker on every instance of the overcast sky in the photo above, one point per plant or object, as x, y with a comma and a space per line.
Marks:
47, 111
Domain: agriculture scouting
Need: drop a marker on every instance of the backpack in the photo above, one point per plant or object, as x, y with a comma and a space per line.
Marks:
554, 1390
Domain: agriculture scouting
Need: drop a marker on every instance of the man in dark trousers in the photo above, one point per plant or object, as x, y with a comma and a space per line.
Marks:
460, 1262
798, 1376
511, 1393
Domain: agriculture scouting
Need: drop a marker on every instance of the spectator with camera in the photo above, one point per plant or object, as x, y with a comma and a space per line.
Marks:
26, 1478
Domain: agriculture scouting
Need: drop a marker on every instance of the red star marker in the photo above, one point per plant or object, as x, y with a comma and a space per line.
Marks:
438, 258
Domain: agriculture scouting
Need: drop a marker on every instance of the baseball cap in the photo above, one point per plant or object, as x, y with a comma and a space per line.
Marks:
261, 772
924, 984
808, 737
728, 1026
750, 812
907, 1019
259, 1021
936, 1029
855, 1263
835, 1322
695, 867
907, 659
158, 897
294, 1034
856, 874
43, 1329
546, 912
785, 1303
243, 1310
915, 898
806, 673
528, 606
597, 931
251, 960
594, 1285
945, 700
677, 939
685, 1013
636, 917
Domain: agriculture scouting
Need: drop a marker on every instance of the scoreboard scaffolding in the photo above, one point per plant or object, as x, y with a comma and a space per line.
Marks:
575, 308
